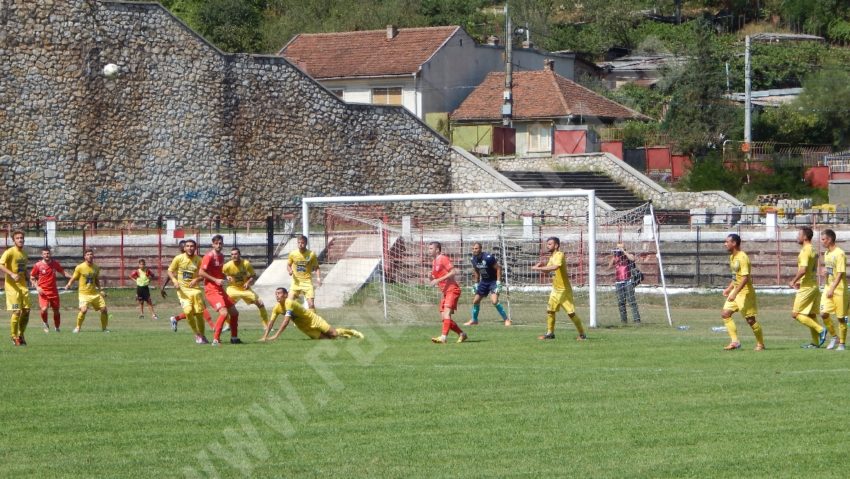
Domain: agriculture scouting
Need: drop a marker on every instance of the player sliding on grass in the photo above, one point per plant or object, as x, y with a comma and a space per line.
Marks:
487, 275
835, 299
90, 291
443, 276
306, 320
807, 299
740, 295
562, 290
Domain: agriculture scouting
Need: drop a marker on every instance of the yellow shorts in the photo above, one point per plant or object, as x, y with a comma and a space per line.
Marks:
315, 328
561, 298
302, 288
237, 294
92, 301
837, 305
745, 303
807, 300
191, 300
17, 297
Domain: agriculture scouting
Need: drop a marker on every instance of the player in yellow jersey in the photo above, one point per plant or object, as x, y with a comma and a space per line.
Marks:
240, 276
306, 320
13, 263
835, 299
807, 299
91, 291
183, 272
301, 264
740, 295
562, 291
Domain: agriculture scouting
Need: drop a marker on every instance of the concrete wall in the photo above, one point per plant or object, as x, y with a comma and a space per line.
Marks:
184, 130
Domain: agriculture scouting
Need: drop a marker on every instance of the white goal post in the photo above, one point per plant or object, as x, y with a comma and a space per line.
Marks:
589, 195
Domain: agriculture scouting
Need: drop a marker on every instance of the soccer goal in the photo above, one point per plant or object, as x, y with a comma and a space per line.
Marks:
377, 249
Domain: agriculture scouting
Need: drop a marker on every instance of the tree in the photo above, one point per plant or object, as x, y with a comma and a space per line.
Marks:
827, 95
232, 25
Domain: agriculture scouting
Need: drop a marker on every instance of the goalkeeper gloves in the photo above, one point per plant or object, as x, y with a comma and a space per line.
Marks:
474, 288
498, 287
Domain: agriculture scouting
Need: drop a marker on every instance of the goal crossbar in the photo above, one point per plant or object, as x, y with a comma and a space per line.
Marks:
563, 193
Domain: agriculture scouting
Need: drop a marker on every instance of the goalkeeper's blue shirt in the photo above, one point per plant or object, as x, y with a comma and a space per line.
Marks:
485, 264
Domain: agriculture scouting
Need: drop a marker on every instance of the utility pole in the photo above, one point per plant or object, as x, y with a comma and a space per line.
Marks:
507, 110
748, 135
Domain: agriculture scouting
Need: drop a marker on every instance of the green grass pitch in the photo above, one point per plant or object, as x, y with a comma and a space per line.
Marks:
648, 401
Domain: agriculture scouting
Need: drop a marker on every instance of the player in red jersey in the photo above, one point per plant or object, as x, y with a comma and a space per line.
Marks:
43, 275
443, 274
180, 317
216, 297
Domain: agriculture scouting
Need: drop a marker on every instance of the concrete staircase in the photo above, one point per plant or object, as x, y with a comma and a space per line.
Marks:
606, 188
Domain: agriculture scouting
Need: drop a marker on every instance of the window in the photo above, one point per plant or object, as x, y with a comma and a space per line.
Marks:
386, 96
539, 137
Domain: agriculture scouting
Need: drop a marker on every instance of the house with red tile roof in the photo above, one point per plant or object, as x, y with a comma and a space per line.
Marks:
428, 70
544, 103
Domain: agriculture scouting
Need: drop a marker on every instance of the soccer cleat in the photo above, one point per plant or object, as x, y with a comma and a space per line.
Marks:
76, 330
508, 322
732, 346
141, 316
56, 329
759, 347
546, 336
226, 328
197, 339
22, 341
16, 340
357, 334
154, 317
203, 340
822, 337
236, 341
216, 342
840, 347
581, 337
810, 346
471, 323
46, 328
104, 330
462, 338
438, 340
832, 343
173, 321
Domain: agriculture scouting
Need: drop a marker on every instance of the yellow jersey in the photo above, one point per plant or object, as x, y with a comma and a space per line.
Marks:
89, 276
303, 264
808, 259
185, 268
836, 263
239, 272
560, 280
15, 260
739, 263
302, 317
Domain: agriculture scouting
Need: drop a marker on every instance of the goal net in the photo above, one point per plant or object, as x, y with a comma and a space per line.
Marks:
377, 252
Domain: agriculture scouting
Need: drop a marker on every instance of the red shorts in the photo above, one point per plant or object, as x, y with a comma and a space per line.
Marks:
450, 297
217, 299
51, 302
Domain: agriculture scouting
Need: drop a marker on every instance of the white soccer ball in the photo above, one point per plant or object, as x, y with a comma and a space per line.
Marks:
110, 70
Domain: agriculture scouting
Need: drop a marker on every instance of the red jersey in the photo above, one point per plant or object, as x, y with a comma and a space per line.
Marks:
212, 264
442, 265
45, 276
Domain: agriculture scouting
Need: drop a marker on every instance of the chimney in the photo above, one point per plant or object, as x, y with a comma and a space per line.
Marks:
392, 32
549, 65
493, 40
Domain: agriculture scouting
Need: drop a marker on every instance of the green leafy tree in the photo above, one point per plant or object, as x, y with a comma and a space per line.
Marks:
710, 173
827, 95
232, 25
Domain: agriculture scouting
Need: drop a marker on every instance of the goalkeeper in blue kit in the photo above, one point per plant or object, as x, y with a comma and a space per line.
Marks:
487, 274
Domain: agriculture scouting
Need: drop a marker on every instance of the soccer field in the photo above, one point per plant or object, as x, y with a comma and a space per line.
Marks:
648, 401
